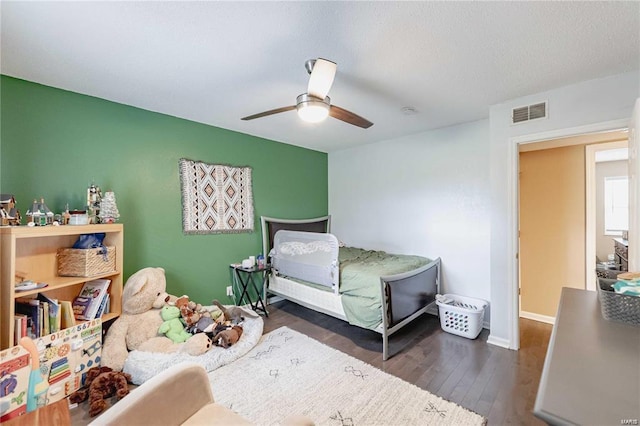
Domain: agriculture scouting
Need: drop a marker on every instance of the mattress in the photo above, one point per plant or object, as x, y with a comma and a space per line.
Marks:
352, 273
318, 298
313, 297
360, 286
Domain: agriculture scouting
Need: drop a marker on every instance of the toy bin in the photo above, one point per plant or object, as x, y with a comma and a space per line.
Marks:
461, 315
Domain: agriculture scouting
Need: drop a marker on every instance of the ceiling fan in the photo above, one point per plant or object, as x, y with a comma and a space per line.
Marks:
314, 106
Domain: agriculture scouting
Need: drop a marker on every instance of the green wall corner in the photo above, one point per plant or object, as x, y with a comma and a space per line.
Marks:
54, 143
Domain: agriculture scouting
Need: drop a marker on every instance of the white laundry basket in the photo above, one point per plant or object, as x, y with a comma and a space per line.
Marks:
461, 315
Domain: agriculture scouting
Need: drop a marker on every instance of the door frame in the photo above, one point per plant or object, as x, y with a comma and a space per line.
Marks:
590, 223
514, 168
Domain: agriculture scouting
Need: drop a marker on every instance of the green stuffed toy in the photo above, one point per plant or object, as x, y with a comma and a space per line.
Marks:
172, 326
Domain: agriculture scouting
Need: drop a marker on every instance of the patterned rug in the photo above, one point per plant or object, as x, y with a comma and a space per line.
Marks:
215, 198
289, 373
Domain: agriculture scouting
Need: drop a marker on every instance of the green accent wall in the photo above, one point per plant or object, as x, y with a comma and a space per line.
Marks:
55, 143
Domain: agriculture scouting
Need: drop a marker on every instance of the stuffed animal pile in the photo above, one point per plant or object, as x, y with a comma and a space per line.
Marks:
137, 327
191, 311
101, 383
223, 326
154, 321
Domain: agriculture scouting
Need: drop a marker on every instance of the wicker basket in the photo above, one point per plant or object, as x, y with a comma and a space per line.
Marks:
618, 307
86, 262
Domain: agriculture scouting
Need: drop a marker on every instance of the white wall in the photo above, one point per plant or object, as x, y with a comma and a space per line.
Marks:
451, 192
425, 194
572, 109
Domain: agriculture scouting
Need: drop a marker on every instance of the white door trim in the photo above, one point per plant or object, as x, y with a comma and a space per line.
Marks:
590, 201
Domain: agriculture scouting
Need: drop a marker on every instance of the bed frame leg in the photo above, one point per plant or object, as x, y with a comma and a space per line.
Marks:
385, 346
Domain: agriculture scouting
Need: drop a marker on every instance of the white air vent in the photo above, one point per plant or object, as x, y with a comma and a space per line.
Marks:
529, 112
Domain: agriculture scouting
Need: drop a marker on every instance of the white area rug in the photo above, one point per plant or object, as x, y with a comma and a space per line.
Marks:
288, 373
144, 365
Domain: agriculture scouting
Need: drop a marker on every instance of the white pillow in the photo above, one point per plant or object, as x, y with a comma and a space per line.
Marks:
296, 248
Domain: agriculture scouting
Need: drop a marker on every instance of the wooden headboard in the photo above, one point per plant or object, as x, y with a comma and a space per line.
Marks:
271, 225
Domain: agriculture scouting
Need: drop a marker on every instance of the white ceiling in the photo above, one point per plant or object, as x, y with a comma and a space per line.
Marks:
215, 62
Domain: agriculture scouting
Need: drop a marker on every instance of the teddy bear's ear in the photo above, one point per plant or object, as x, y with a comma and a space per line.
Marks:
142, 289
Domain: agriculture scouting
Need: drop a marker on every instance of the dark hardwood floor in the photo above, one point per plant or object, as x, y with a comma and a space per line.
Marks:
499, 384
496, 383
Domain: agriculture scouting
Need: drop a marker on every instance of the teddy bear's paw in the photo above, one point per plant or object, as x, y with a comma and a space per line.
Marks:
159, 344
197, 344
121, 393
97, 407
78, 396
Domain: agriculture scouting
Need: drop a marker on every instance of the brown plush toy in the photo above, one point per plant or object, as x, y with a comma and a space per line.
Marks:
228, 337
189, 310
101, 383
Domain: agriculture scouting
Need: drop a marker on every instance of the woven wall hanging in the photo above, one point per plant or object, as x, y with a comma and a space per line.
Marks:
216, 198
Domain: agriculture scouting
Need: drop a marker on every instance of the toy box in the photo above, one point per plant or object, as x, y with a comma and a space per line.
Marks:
44, 370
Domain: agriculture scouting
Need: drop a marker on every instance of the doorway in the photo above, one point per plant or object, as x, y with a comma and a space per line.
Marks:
556, 213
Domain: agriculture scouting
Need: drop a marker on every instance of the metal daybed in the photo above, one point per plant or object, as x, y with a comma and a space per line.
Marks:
311, 270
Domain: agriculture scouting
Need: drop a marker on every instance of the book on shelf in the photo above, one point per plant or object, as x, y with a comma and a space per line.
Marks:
30, 308
66, 315
20, 330
54, 312
88, 301
104, 306
46, 329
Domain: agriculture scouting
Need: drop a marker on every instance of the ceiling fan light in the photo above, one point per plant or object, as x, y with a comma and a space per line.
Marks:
321, 79
311, 109
313, 113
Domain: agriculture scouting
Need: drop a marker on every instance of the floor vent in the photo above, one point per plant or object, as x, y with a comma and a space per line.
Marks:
528, 113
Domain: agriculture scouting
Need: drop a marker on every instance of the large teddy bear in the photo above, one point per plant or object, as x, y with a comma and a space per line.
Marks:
137, 327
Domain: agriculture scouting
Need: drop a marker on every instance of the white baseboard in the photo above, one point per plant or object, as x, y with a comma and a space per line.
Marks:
498, 341
538, 317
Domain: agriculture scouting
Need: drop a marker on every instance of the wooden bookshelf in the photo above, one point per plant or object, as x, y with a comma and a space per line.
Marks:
31, 252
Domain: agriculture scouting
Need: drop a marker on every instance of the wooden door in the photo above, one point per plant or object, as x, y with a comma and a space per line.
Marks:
552, 227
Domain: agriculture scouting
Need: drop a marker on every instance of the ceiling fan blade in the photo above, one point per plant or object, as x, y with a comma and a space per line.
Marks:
321, 79
270, 112
349, 117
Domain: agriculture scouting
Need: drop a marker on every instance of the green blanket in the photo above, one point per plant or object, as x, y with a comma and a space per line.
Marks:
360, 272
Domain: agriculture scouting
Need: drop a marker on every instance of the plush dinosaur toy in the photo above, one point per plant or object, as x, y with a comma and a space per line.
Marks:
173, 327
